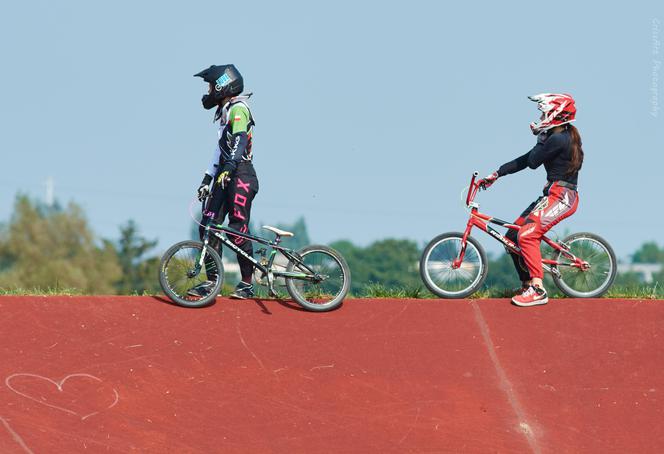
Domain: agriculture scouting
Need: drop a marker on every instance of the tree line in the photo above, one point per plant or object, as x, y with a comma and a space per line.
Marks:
53, 248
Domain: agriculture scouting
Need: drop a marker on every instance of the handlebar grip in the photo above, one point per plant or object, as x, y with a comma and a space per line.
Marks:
475, 173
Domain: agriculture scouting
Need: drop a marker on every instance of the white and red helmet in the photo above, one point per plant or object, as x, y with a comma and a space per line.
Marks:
557, 109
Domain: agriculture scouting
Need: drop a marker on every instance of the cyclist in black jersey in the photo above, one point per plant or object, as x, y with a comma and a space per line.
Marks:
230, 180
558, 148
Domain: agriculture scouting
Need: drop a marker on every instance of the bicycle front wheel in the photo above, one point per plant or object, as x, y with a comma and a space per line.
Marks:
325, 278
188, 279
438, 274
591, 281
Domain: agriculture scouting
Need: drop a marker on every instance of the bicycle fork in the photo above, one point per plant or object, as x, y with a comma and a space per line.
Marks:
456, 264
201, 260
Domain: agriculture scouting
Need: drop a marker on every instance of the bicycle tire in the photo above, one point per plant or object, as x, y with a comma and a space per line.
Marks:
320, 296
438, 256
175, 286
604, 263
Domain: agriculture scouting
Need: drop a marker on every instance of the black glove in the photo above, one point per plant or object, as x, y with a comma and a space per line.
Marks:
204, 188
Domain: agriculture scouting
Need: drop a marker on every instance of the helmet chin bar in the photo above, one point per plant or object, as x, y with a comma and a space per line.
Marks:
537, 128
209, 102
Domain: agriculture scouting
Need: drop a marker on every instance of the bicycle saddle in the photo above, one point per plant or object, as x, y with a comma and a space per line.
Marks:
278, 231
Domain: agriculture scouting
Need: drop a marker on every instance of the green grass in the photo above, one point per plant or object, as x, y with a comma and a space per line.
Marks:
377, 290
57, 291
372, 290
493, 292
641, 292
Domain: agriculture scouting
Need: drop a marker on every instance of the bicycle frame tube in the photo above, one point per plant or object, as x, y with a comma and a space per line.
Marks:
295, 259
290, 257
237, 234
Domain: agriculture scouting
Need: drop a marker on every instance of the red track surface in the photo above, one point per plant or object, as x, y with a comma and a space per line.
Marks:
130, 374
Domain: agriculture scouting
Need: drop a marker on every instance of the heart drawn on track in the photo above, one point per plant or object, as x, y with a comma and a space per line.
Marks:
84, 396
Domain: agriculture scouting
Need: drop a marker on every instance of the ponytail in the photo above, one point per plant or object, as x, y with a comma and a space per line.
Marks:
577, 152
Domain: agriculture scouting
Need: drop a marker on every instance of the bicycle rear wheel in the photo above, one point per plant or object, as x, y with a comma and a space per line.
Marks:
438, 274
325, 279
597, 278
181, 271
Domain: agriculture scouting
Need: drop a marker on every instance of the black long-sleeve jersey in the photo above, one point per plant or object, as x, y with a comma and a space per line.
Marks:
235, 137
555, 152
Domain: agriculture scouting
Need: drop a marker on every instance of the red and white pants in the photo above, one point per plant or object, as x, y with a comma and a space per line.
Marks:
556, 204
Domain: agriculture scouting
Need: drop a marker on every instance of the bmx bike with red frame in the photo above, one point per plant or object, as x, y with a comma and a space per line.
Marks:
454, 264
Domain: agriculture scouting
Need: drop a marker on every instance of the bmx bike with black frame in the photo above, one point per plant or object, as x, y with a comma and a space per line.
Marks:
454, 264
316, 277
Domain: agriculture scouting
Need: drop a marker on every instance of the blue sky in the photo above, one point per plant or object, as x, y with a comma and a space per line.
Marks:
371, 116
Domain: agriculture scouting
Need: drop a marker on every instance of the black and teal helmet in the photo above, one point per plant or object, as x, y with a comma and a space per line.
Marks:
226, 80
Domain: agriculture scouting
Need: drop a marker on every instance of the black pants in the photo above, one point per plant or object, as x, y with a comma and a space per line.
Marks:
235, 202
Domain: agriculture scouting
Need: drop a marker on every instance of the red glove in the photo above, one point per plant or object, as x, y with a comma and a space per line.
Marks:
487, 181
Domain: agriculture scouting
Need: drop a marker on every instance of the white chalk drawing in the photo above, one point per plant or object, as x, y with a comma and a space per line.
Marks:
17, 438
59, 385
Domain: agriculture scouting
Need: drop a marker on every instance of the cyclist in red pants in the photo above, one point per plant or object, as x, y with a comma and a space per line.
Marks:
559, 149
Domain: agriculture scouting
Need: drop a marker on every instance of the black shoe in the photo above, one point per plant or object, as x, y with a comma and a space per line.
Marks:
201, 290
243, 291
